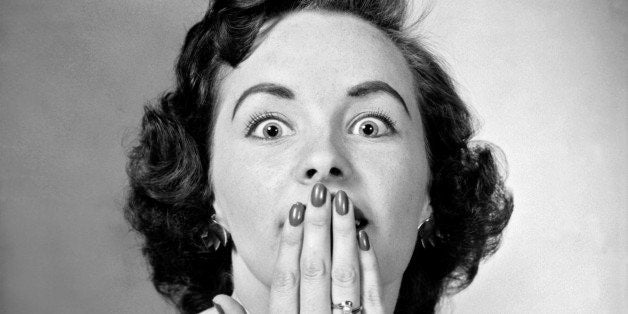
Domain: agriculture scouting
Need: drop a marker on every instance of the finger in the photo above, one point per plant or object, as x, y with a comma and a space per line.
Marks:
284, 289
226, 304
345, 267
315, 254
371, 288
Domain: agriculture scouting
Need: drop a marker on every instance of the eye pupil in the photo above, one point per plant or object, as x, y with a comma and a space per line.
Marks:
368, 129
271, 130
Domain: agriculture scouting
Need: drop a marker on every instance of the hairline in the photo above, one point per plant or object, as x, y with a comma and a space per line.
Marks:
398, 38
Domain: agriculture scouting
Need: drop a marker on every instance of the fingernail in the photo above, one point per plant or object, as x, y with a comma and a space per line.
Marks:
219, 308
319, 194
363, 240
296, 214
341, 202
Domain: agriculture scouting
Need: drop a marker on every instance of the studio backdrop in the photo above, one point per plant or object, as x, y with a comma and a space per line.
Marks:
548, 81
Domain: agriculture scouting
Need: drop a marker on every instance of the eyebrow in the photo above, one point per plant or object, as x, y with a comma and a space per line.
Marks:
371, 87
266, 88
360, 90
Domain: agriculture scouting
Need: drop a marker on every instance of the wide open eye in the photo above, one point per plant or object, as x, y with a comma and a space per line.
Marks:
373, 125
268, 127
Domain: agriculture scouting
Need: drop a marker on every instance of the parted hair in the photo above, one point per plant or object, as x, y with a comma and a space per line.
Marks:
170, 193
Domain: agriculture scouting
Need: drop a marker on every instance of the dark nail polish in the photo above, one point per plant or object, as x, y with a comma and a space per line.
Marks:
219, 308
341, 202
297, 212
319, 194
363, 240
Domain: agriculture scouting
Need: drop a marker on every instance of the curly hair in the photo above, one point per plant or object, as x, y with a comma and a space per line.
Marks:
170, 196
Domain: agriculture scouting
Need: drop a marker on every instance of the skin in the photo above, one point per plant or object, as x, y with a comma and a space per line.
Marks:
318, 57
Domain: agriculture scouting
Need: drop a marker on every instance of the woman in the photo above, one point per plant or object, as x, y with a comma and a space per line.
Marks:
312, 158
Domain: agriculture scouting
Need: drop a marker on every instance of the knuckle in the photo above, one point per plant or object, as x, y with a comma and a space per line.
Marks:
314, 270
291, 239
344, 275
372, 295
344, 231
318, 222
284, 280
318, 218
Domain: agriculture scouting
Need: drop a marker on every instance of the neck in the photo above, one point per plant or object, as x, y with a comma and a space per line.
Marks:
391, 293
254, 295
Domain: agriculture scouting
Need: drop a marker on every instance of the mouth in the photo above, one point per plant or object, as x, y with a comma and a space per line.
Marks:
360, 220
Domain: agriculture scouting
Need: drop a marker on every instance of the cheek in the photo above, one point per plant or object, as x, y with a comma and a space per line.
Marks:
252, 196
399, 191
399, 184
247, 190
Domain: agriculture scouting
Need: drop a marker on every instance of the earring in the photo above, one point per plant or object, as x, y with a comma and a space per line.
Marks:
214, 235
428, 234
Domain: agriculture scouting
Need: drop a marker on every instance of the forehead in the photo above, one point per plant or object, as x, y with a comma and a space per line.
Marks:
331, 49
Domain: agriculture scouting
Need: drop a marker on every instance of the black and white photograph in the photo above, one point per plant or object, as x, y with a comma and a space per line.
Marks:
313, 156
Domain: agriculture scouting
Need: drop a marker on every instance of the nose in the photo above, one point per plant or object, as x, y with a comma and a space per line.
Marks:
324, 160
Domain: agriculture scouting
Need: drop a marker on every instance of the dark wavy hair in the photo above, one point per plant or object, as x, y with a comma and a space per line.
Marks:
170, 196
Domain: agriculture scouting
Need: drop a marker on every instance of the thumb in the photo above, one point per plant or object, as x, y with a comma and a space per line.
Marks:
225, 304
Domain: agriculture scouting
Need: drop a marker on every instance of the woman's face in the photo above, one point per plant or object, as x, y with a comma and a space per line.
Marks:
324, 98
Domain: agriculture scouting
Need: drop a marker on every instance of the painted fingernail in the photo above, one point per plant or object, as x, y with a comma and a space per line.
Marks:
363, 240
296, 214
341, 202
219, 308
319, 194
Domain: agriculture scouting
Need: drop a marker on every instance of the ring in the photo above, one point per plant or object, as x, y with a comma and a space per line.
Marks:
347, 307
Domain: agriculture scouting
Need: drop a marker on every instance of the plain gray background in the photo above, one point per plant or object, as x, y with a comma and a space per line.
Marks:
548, 79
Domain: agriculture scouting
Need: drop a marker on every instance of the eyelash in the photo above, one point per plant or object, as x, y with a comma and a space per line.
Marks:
257, 118
380, 114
